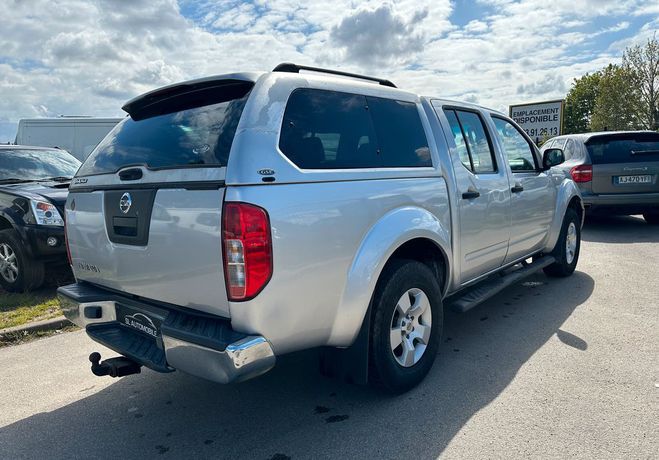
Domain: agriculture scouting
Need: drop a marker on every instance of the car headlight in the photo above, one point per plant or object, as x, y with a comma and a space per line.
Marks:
46, 213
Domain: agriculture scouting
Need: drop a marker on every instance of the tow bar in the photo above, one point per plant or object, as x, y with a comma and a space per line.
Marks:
114, 367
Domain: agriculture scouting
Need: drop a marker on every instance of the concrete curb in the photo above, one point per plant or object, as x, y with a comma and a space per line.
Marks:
37, 326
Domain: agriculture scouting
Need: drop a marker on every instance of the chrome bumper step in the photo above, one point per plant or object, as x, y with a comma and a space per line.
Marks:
198, 344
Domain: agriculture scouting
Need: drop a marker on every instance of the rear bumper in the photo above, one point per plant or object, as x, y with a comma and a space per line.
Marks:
200, 345
623, 203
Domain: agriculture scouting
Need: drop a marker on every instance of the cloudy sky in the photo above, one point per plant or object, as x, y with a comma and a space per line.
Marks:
85, 57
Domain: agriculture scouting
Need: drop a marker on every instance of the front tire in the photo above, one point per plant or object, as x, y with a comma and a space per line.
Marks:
567, 247
406, 327
651, 218
18, 272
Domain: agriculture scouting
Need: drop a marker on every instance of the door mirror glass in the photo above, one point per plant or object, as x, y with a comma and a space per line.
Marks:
552, 157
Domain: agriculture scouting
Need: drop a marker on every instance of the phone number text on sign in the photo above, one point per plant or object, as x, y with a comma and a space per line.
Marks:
540, 120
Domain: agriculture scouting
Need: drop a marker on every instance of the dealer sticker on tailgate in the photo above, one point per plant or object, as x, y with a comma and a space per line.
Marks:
140, 321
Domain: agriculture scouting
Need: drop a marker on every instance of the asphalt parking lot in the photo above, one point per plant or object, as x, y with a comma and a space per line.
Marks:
548, 368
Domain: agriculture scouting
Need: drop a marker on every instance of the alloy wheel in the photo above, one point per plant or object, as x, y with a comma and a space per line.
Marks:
410, 327
8, 264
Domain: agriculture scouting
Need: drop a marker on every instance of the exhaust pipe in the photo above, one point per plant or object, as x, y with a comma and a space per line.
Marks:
114, 367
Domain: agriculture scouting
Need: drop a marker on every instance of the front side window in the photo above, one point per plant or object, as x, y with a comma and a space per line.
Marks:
333, 130
471, 141
517, 149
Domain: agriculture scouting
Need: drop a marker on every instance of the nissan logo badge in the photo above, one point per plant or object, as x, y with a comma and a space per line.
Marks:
125, 202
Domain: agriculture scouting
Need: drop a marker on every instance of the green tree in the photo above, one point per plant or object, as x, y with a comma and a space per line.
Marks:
642, 66
618, 101
580, 103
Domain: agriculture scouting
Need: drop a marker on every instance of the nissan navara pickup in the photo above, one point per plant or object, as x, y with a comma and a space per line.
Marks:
232, 219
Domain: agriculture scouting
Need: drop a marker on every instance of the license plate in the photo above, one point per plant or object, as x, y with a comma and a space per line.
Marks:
643, 179
141, 321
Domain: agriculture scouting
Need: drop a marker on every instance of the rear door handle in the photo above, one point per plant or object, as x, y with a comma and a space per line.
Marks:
517, 188
470, 194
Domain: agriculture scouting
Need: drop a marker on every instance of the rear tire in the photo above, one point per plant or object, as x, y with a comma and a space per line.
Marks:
651, 218
18, 272
567, 247
406, 326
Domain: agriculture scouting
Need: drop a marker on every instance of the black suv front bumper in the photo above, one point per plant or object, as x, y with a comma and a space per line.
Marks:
36, 239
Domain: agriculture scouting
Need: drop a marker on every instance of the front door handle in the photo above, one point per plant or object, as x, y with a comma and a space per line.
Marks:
470, 194
517, 188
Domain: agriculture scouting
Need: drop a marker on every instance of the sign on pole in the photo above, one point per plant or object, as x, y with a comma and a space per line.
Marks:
540, 120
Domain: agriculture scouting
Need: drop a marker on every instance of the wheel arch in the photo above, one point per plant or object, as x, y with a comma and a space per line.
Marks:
5, 223
568, 196
409, 233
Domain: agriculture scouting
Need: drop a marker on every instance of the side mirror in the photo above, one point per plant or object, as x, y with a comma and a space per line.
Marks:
552, 157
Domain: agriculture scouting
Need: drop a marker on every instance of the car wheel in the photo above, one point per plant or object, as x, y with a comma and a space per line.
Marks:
406, 326
567, 247
18, 272
651, 218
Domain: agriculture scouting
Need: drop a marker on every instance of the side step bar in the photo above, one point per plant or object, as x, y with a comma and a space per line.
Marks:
486, 289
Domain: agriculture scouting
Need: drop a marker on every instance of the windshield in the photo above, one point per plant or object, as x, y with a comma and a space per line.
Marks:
17, 165
198, 136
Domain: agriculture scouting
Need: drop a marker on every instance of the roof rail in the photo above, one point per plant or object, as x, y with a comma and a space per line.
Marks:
295, 68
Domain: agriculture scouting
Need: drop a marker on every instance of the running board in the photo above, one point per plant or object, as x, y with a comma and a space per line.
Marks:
496, 284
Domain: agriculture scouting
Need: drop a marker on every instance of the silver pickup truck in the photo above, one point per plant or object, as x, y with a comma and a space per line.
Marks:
233, 219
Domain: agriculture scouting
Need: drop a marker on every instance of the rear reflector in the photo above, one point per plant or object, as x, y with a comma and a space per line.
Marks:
247, 250
582, 173
66, 243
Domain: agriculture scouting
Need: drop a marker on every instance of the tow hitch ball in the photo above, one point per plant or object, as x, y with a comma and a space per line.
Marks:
114, 367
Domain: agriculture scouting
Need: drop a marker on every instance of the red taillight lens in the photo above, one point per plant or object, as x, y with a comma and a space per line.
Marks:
247, 250
582, 173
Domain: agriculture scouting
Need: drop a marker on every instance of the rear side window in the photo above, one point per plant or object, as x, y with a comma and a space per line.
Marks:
559, 143
196, 136
401, 139
518, 150
626, 148
470, 135
570, 149
458, 137
327, 130
334, 130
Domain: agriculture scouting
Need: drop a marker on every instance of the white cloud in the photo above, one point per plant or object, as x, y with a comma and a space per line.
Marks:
90, 56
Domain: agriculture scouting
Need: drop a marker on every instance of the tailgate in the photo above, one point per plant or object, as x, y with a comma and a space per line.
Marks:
167, 247
144, 210
625, 163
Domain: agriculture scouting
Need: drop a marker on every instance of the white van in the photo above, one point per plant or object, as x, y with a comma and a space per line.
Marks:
77, 135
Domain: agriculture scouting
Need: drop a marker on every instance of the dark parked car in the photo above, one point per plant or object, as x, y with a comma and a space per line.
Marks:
34, 184
617, 171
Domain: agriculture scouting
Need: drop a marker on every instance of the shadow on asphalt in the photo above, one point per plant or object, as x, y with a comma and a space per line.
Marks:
293, 412
619, 229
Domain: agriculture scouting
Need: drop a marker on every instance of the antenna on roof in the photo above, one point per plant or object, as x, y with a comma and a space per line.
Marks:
295, 68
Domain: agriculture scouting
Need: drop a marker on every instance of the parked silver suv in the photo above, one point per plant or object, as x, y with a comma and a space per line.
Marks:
236, 218
617, 171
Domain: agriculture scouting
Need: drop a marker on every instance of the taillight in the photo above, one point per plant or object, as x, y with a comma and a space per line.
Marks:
582, 173
247, 249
